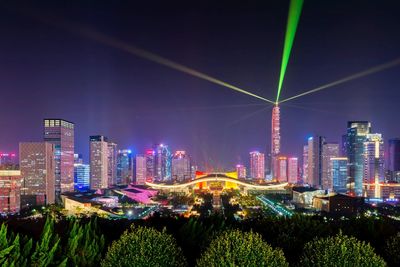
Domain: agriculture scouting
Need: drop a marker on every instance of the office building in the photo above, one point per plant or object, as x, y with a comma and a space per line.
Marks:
81, 174
329, 150
394, 159
141, 168
305, 165
339, 173
241, 171
162, 163
373, 159
10, 191
275, 139
60, 133
98, 151
281, 170
125, 167
257, 165
37, 165
8, 161
112, 163
293, 170
314, 172
181, 170
150, 165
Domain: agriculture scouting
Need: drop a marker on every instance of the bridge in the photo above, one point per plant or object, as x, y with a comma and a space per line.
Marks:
217, 181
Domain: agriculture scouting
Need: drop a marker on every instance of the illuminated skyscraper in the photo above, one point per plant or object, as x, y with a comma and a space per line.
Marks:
125, 167
373, 159
98, 162
257, 165
141, 169
112, 163
329, 150
241, 171
162, 162
293, 170
281, 171
315, 148
305, 165
181, 170
339, 172
81, 174
10, 191
37, 166
275, 139
394, 159
150, 165
356, 135
61, 133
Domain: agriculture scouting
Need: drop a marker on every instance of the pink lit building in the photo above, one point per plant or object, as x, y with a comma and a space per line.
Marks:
293, 170
10, 191
241, 171
257, 165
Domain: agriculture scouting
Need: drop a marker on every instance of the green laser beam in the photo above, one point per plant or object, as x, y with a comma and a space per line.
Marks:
357, 75
291, 27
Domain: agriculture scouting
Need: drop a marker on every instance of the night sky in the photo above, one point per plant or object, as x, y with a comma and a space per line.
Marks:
46, 71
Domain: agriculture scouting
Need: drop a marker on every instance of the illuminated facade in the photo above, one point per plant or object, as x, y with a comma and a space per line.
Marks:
8, 161
112, 153
181, 170
61, 133
81, 174
257, 165
150, 165
329, 150
314, 163
373, 159
98, 150
125, 167
162, 162
241, 171
141, 169
37, 166
339, 173
275, 139
356, 136
10, 191
293, 170
305, 164
281, 170
394, 159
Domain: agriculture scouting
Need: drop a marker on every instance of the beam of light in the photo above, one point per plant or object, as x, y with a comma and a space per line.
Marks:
139, 52
247, 116
291, 27
357, 75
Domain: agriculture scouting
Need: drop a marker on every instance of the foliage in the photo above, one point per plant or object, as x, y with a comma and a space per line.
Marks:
237, 248
392, 250
339, 250
143, 246
14, 251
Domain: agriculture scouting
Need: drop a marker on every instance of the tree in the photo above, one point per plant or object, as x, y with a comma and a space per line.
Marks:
237, 248
143, 246
339, 250
392, 250
14, 251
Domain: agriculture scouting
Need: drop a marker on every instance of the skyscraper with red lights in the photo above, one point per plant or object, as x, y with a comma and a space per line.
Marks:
275, 139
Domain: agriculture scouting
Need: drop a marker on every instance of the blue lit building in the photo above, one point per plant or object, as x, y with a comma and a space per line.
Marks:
81, 174
162, 166
125, 167
339, 174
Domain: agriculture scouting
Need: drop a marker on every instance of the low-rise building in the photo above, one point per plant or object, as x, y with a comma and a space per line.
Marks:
303, 196
338, 204
10, 191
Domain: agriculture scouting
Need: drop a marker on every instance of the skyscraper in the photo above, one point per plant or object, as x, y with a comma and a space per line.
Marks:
373, 159
162, 162
293, 170
281, 171
315, 148
329, 150
181, 170
150, 165
275, 139
241, 171
339, 172
98, 150
356, 135
141, 169
10, 191
394, 159
125, 167
257, 165
81, 174
37, 166
61, 133
305, 165
112, 163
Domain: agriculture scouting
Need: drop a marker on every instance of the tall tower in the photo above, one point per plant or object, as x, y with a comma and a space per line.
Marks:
275, 139
98, 162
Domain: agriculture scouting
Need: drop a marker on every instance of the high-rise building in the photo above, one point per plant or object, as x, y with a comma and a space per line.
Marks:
141, 168
162, 162
373, 159
37, 166
305, 165
275, 139
125, 167
61, 133
339, 174
394, 159
10, 191
257, 165
329, 150
112, 163
241, 171
181, 170
315, 148
356, 135
281, 170
81, 174
150, 165
293, 170
98, 150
